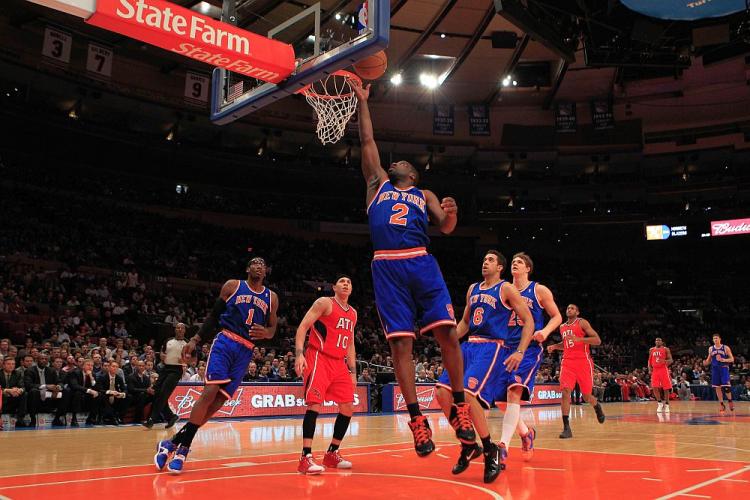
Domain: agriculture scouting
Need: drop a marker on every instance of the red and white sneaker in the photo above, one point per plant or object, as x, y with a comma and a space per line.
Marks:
334, 460
307, 465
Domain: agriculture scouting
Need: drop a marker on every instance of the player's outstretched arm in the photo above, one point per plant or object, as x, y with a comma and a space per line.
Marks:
319, 308
443, 213
591, 338
555, 347
211, 323
463, 326
371, 169
547, 301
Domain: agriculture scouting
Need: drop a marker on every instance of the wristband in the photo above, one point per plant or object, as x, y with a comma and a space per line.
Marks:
519, 351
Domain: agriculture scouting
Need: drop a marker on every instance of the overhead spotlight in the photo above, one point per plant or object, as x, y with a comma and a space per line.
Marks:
506, 81
73, 113
429, 80
687, 206
170, 135
510, 202
510, 168
515, 83
397, 79
442, 35
338, 16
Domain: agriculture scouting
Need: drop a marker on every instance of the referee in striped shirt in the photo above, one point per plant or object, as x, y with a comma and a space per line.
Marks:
169, 376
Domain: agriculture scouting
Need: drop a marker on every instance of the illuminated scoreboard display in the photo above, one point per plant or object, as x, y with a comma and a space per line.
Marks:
664, 232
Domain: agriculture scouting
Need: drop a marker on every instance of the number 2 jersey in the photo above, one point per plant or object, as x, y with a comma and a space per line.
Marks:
246, 307
333, 333
398, 218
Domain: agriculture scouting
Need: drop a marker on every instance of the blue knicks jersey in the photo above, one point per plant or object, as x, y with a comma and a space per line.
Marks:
720, 351
489, 316
398, 218
244, 308
537, 312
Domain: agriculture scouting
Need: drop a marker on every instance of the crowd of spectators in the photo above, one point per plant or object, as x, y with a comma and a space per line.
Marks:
85, 282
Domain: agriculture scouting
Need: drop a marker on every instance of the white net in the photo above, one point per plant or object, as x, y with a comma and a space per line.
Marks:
334, 103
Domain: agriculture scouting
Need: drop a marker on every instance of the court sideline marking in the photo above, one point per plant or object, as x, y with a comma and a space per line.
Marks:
708, 482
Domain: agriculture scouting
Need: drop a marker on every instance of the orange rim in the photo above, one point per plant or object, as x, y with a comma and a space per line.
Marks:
308, 90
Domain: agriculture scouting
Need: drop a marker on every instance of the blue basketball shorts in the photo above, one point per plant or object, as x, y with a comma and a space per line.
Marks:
523, 375
482, 373
720, 376
409, 291
227, 362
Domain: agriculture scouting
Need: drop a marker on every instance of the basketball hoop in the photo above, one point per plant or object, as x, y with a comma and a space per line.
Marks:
334, 102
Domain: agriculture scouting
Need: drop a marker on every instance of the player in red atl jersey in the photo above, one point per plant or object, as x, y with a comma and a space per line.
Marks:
577, 366
659, 359
330, 370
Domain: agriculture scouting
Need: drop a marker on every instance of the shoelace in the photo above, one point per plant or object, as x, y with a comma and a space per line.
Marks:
463, 417
421, 431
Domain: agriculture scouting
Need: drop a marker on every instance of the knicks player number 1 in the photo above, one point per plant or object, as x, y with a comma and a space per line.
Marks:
400, 212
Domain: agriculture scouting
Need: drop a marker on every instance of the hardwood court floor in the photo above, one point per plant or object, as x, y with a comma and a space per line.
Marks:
692, 453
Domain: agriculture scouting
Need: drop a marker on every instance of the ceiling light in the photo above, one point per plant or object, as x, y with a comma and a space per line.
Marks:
397, 79
428, 80
442, 35
506, 81
515, 83
338, 17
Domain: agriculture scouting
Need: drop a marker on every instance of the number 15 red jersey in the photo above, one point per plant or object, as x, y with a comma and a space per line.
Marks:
332, 334
573, 350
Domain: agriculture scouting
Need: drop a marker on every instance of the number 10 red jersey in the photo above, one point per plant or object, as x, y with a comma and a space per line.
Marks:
332, 334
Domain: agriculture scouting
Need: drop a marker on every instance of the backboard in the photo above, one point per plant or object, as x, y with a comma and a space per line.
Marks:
326, 36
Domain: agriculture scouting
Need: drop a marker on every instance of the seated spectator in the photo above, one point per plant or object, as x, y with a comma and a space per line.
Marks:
283, 375
745, 394
112, 394
14, 395
139, 389
252, 373
45, 391
84, 393
683, 389
366, 377
200, 375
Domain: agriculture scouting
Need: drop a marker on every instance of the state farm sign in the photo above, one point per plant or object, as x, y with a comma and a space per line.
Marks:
730, 227
190, 34
259, 400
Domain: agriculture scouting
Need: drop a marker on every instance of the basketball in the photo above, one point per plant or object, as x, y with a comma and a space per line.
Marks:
372, 67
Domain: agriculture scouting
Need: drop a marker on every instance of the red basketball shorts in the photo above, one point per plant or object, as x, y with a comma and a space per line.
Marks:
577, 371
660, 379
327, 379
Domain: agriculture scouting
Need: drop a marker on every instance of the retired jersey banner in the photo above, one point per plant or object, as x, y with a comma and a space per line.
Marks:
442, 119
479, 119
262, 400
185, 32
602, 117
565, 117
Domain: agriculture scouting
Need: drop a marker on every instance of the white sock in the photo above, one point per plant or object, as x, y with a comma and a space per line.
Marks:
526, 419
510, 422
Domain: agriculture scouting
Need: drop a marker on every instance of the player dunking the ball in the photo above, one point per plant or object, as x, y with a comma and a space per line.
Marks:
659, 359
720, 357
330, 371
245, 311
577, 366
407, 280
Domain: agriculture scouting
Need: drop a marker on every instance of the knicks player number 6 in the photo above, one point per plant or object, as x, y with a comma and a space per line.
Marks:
399, 217
342, 341
478, 316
